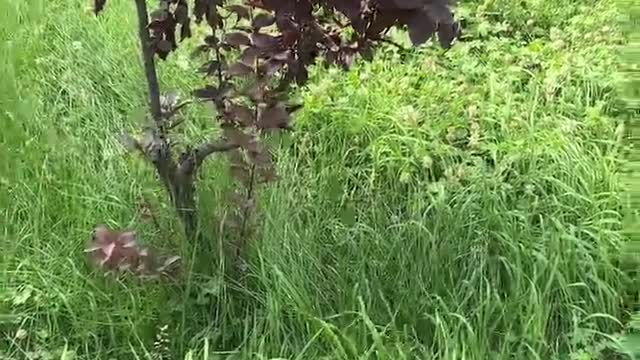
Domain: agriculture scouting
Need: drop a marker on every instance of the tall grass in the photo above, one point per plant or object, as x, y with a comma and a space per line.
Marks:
459, 205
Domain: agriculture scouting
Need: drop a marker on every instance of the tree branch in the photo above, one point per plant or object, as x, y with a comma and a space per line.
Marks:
192, 161
171, 113
207, 149
154, 144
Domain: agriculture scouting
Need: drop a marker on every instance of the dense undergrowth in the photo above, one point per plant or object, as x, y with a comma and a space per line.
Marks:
468, 204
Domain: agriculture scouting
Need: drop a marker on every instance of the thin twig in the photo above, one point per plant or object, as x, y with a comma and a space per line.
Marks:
177, 108
175, 124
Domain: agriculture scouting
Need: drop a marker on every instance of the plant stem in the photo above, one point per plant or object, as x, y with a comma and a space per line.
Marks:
245, 211
179, 185
252, 179
219, 60
149, 62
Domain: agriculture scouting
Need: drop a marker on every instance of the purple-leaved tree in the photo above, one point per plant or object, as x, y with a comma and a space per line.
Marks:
255, 50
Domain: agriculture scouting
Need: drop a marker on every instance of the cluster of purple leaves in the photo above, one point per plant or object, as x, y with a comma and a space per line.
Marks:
120, 251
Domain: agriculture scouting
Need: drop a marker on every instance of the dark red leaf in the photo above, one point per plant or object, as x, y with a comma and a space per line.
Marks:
447, 33
181, 14
249, 56
298, 72
289, 38
440, 12
263, 20
164, 46
274, 117
381, 22
238, 69
159, 15
402, 4
213, 93
282, 56
421, 28
185, 30
213, 18
236, 39
285, 24
119, 251
241, 114
264, 41
200, 8
270, 67
98, 5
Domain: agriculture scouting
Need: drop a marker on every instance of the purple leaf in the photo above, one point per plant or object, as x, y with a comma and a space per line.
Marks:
236, 39
119, 251
241, 114
249, 56
264, 41
263, 20
238, 69
274, 117
98, 5
213, 93
421, 28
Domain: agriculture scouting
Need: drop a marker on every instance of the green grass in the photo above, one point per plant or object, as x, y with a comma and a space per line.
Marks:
460, 205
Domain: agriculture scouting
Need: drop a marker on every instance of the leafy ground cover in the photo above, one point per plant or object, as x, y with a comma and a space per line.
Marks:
468, 204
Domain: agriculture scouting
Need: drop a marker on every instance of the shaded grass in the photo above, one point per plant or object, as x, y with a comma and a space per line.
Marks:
458, 205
